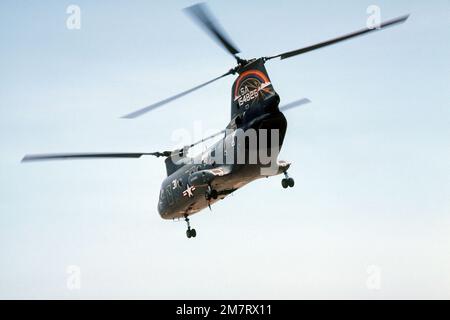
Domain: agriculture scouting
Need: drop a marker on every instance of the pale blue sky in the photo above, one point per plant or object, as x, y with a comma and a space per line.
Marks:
370, 154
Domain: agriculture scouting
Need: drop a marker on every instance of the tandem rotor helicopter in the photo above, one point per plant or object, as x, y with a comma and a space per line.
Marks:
194, 183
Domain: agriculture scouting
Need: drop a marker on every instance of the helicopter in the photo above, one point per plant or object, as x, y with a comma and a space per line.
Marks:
249, 145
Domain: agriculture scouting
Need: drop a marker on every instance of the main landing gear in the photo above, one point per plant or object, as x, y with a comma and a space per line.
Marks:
190, 233
287, 181
211, 194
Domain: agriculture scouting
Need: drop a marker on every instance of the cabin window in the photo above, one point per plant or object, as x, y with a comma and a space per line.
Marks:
212, 156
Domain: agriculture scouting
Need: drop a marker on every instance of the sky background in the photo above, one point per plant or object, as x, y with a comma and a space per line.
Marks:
371, 153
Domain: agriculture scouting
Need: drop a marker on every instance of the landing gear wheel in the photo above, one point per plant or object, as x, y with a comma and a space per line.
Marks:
287, 181
214, 194
190, 233
290, 182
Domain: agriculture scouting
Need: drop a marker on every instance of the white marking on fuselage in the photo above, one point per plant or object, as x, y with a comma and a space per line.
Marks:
189, 191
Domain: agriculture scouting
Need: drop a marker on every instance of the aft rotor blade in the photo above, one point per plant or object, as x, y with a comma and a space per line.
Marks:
73, 156
366, 30
200, 13
294, 104
151, 107
207, 138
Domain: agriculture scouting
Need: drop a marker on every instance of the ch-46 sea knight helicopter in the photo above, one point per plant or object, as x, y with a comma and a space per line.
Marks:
194, 183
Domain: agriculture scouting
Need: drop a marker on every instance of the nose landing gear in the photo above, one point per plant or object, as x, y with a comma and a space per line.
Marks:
287, 181
190, 233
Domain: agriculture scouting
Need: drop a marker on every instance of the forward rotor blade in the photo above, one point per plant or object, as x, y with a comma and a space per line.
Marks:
366, 30
151, 107
294, 104
73, 156
200, 13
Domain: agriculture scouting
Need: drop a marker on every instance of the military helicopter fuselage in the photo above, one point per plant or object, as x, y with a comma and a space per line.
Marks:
195, 183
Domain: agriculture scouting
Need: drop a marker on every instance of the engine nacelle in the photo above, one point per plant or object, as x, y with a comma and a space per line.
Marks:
201, 178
